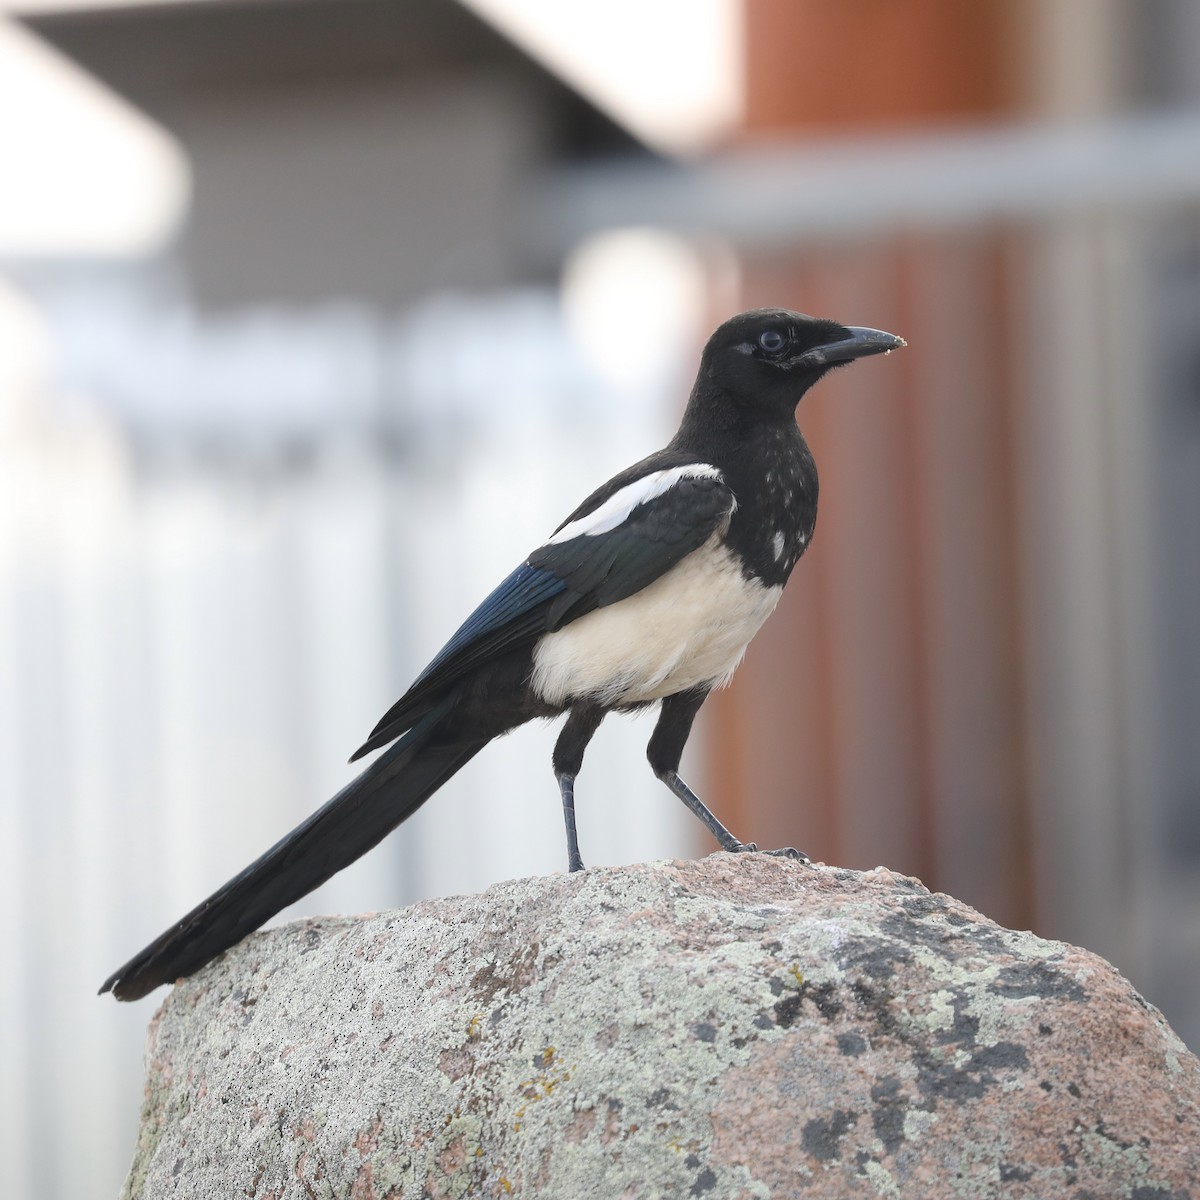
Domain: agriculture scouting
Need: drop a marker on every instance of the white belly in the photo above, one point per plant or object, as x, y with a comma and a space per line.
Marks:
688, 629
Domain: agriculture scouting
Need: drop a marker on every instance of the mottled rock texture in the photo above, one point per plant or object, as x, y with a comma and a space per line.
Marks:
739, 1027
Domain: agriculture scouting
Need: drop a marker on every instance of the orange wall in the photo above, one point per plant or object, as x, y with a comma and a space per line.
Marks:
878, 716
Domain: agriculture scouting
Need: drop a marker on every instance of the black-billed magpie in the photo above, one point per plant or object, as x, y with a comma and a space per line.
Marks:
649, 592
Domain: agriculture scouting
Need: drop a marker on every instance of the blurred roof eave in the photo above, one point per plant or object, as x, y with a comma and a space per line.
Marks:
195, 43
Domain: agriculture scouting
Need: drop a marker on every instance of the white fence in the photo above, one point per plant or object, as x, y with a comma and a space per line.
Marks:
223, 552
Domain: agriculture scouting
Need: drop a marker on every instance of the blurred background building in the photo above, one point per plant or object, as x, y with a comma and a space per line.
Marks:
316, 315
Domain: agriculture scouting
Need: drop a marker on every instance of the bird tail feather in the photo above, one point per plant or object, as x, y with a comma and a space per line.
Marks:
356, 819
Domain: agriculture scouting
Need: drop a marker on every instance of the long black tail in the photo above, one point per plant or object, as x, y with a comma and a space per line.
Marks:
357, 818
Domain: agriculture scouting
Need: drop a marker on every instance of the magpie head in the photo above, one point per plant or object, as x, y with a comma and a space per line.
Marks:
772, 356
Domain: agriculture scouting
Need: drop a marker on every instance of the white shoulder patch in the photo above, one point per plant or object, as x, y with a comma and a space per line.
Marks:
620, 504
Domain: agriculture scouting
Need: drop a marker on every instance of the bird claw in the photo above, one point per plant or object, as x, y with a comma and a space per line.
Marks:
790, 852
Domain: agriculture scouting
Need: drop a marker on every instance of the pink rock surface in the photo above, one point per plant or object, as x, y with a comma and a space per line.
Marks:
736, 1027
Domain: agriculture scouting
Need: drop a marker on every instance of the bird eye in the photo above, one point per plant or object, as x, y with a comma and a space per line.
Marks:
772, 341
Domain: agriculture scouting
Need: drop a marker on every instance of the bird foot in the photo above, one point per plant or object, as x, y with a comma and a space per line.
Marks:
782, 852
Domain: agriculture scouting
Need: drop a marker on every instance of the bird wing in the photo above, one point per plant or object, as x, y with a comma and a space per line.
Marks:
617, 542
641, 529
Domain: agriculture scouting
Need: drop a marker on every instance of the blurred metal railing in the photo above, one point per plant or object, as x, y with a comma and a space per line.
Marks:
776, 195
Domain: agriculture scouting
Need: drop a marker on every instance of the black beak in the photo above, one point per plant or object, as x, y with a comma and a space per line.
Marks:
860, 344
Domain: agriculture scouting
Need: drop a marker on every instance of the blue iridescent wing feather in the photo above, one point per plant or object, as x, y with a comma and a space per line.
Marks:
563, 581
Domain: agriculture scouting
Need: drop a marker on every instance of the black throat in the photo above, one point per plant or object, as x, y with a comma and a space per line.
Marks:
767, 464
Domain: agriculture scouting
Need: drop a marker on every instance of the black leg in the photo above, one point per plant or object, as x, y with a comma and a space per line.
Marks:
724, 837
566, 787
666, 749
581, 724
